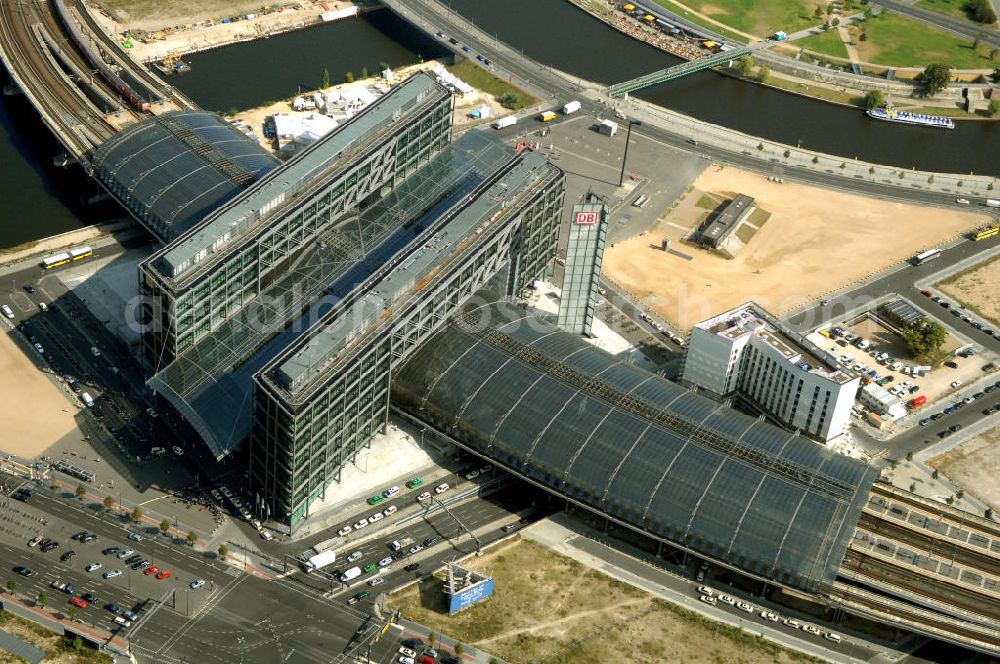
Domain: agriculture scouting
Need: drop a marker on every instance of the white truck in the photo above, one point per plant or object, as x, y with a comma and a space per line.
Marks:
87, 400
319, 561
352, 573
508, 121
571, 107
992, 203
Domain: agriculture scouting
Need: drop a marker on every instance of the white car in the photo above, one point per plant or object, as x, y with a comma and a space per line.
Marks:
955, 383
94, 566
405, 660
343, 531
767, 615
441, 488
962, 201
39, 347
830, 636
112, 573
378, 516
385, 561
266, 535
354, 556
125, 553
726, 599
198, 583
416, 547
361, 524
705, 590
391, 491
472, 475
424, 496
377, 581
255, 523
135, 537
743, 606
812, 629
121, 620
791, 622
390, 510
708, 599
406, 652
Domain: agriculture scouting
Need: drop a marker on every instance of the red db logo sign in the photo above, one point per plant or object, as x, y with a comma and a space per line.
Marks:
586, 218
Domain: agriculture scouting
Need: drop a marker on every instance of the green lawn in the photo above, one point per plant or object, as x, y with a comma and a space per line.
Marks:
757, 17
481, 79
951, 8
672, 6
828, 43
902, 42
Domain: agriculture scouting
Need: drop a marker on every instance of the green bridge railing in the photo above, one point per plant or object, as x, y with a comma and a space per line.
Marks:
670, 73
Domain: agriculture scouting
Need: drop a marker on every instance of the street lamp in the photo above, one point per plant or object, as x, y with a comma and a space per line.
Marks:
628, 135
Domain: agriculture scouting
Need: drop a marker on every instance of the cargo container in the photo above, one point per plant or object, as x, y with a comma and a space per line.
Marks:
608, 128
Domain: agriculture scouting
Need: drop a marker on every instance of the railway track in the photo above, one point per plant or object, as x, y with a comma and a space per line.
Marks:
78, 125
955, 517
929, 543
981, 603
940, 625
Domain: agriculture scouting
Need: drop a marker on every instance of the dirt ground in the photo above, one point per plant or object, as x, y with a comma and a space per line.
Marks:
48, 642
975, 465
196, 26
26, 390
976, 289
548, 608
815, 242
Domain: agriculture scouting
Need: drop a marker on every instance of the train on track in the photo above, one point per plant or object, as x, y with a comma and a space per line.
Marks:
135, 92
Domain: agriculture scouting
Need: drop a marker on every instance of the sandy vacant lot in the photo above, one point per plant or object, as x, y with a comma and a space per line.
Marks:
35, 414
975, 465
816, 241
549, 608
976, 289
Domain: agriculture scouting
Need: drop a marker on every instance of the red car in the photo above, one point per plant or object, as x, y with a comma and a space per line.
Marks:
151, 570
926, 293
164, 574
76, 601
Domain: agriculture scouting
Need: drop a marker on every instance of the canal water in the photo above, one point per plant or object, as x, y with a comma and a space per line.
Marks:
40, 199
557, 34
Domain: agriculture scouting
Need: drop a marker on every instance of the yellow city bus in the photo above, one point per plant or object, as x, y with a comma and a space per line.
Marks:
986, 231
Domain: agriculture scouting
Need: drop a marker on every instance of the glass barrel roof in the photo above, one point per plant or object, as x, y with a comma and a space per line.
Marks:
644, 450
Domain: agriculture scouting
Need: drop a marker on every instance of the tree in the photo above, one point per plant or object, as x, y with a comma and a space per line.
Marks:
349, 77
818, 13
934, 78
11, 586
459, 648
164, 526
934, 474
325, 83
988, 513
745, 66
913, 487
788, 153
815, 159
950, 499
192, 537
41, 598
863, 36
923, 338
843, 165
909, 456
223, 550
760, 147
764, 74
829, 8
980, 11
960, 494
835, 22
78, 644
993, 109
874, 99
71, 613
108, 502
995, 76
510, 100
382, 66
364, 72
81, 491
893, 463
432, 637
136, 515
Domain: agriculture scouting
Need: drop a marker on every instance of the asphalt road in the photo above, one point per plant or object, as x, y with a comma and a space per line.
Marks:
956, 26
235, 616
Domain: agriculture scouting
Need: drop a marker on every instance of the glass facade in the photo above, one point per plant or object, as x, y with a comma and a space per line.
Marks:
588, 230
302, 438
187, 310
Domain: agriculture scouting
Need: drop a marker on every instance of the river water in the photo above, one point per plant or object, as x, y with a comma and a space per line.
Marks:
40, 200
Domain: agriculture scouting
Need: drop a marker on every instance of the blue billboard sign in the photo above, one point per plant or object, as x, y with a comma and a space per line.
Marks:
466, 598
